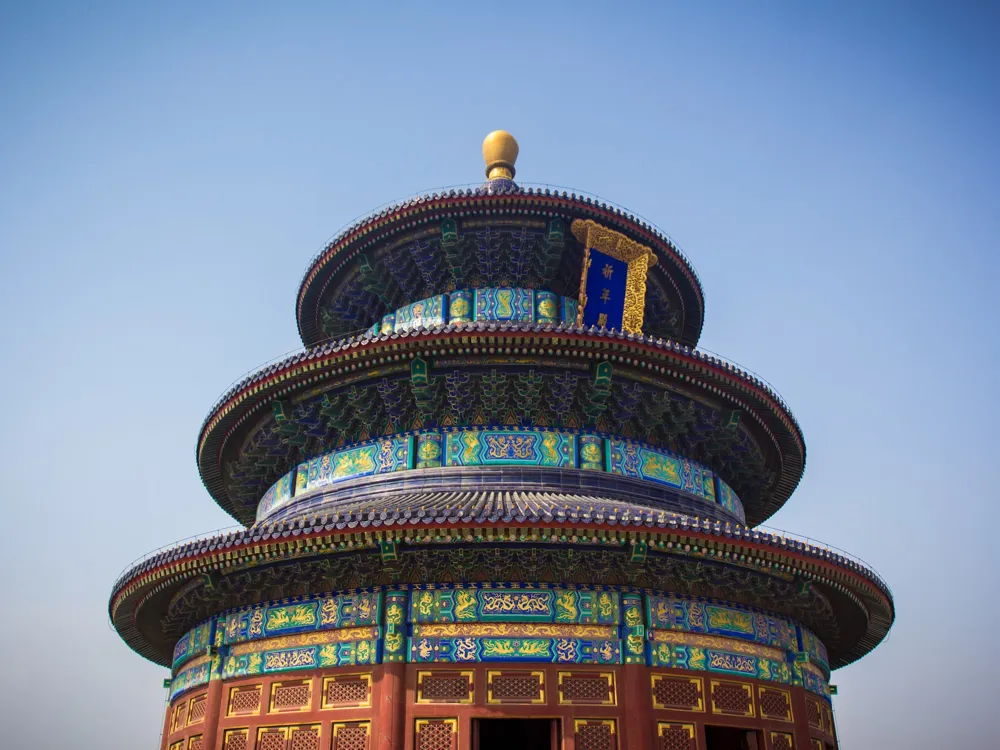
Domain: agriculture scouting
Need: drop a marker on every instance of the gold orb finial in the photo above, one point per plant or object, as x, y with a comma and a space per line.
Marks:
499, 153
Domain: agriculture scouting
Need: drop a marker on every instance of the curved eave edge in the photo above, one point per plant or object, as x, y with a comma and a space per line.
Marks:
313, 361
285, 541
413, 208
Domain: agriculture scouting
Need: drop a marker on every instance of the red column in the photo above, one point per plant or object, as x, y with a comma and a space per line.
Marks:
213, 711
391, 711
636, 726
166, 723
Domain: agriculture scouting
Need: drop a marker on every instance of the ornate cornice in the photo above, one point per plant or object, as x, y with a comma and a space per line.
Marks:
862, 602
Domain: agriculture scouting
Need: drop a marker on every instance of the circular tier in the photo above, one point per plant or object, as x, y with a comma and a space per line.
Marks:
608, 385
408, 470
475, 539
494, 235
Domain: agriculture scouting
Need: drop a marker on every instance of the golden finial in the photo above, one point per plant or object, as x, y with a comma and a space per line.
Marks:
500, 153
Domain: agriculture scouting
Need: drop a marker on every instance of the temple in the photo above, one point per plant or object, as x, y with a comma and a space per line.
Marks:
500, 499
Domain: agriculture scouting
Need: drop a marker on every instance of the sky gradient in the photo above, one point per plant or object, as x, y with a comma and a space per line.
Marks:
167, 171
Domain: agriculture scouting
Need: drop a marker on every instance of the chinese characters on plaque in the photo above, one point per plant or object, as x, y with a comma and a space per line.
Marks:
605, 290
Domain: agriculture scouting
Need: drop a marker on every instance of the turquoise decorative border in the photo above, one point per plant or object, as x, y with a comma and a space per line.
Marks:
510, 448
484, 649
316, 656
193, 676
503, 622
722, 661
502, 446
326, 613
491, 304
193, 643
563, 606
692, 616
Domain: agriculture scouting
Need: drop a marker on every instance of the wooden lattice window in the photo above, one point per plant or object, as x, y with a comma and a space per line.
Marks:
271, 738
445, 687
179, 745
300, 737
351, 735
675, 736
347, 691
244, 700
196, 709
436, 734
595, 734
734, 698
685, 693
291, 696
508, 686
816, 744
814, 713
180, 716
828, 718
195, 743
775, 704
303, 738
587, 688
782, 741
236, 739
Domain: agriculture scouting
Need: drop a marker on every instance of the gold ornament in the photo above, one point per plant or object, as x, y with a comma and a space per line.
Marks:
499, 153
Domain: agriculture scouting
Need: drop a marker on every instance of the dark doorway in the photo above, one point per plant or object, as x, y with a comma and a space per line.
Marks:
731, 738
520, 734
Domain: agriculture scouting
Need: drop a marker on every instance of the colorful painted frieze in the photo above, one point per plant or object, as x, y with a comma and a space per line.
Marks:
546, 308
632, 459
277, 495
514, 605
194, 675
425, 313
517, 623
814, 681
633, 630
729, 500
487, 649
378, 457
591, 452
429, 450
193, 643
460, 306
512, 446
397, 604
723, 656
506, 447
674, 613
814, 648
325, 613
347, 647
505, 305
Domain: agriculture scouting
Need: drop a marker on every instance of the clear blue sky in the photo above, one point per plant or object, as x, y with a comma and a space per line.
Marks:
167, 171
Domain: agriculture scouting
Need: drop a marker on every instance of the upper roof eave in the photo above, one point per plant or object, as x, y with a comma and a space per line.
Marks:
415, 210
